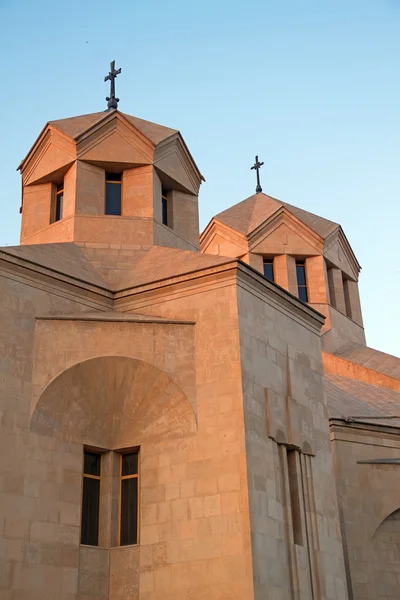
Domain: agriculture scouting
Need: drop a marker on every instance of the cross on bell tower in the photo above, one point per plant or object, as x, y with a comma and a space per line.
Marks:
112, 101
257, 166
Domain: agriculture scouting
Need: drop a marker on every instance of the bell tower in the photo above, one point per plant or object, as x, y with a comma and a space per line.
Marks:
110, 178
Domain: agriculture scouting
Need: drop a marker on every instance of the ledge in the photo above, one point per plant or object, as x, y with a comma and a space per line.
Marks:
112, 316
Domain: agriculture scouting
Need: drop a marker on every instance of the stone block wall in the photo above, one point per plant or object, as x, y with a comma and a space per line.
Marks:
369, 500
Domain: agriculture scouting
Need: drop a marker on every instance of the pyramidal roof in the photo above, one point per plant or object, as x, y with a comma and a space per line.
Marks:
249, 214
76, 126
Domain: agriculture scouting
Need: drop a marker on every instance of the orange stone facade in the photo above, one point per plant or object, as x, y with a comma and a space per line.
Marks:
266, 429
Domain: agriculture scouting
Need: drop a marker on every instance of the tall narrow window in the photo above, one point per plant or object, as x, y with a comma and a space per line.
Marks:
129, 498
269, 269
293, 472
90, 499
58, 215
164, 206
113, 193
346, 290
301, 280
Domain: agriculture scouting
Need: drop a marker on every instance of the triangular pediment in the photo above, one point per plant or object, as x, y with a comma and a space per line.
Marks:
283, 240
339, 253
114, 140
172, 160
52, 158
282, 233
222, 240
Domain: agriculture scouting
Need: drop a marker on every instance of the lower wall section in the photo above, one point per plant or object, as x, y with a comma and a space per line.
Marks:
93, 573
124, 573
108, 574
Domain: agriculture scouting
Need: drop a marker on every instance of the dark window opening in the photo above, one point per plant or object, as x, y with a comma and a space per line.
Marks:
347, 301
90, 499
164, 206
331, 287
129, 498
113, 193
301, 280
295, 495
269, 269
59, 203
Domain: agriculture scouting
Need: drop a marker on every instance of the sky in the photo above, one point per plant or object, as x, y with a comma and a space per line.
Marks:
312, 87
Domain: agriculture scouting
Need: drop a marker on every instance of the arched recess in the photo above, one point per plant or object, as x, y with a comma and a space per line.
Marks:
113, 402
386, 556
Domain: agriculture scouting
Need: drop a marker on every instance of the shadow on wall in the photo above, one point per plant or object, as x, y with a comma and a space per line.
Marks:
386, 556
113, 402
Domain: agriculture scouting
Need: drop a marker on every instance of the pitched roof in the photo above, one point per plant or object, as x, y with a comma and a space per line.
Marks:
362, 401
65, 258
75, 126
371, 359
142, 266
249, 214
153, 265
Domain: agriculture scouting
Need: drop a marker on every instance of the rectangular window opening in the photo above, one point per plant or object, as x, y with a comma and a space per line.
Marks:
91, 498
269, 269
113, 194
331, 286
301, 280
164, 206
57, 201
346, 291
129, 508
294, 496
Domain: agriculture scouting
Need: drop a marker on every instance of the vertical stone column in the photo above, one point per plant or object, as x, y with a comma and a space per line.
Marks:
185, 215
137, 192
317, 285
285, 272
87, 196
254, 260
336, 290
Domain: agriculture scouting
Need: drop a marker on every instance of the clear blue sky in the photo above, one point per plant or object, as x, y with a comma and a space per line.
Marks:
313, 87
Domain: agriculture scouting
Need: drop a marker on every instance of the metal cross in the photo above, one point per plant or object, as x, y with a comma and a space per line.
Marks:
112, 101
257, 166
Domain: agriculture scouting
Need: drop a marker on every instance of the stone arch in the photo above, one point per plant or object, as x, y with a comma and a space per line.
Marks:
113, 402
385, 546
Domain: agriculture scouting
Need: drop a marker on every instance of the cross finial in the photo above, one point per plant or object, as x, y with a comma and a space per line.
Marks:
112, 101
257, 166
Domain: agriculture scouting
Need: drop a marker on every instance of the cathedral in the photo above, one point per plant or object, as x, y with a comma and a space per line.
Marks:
185, 415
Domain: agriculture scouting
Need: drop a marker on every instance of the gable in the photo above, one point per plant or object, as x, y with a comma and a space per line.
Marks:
53, 156
338, 253
283, 234
172, 160
114, 141
219, 242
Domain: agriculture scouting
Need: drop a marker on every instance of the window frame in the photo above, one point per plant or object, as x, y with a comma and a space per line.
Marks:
302, 263
98, 478
59, 205
115, 182
295, 481
164, 207
269, 261
121, 479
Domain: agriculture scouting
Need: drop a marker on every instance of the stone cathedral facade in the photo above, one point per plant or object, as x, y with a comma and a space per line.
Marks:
184, 415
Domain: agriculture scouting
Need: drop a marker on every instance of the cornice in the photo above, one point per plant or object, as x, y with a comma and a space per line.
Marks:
346, 431
231, 272
53, 281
